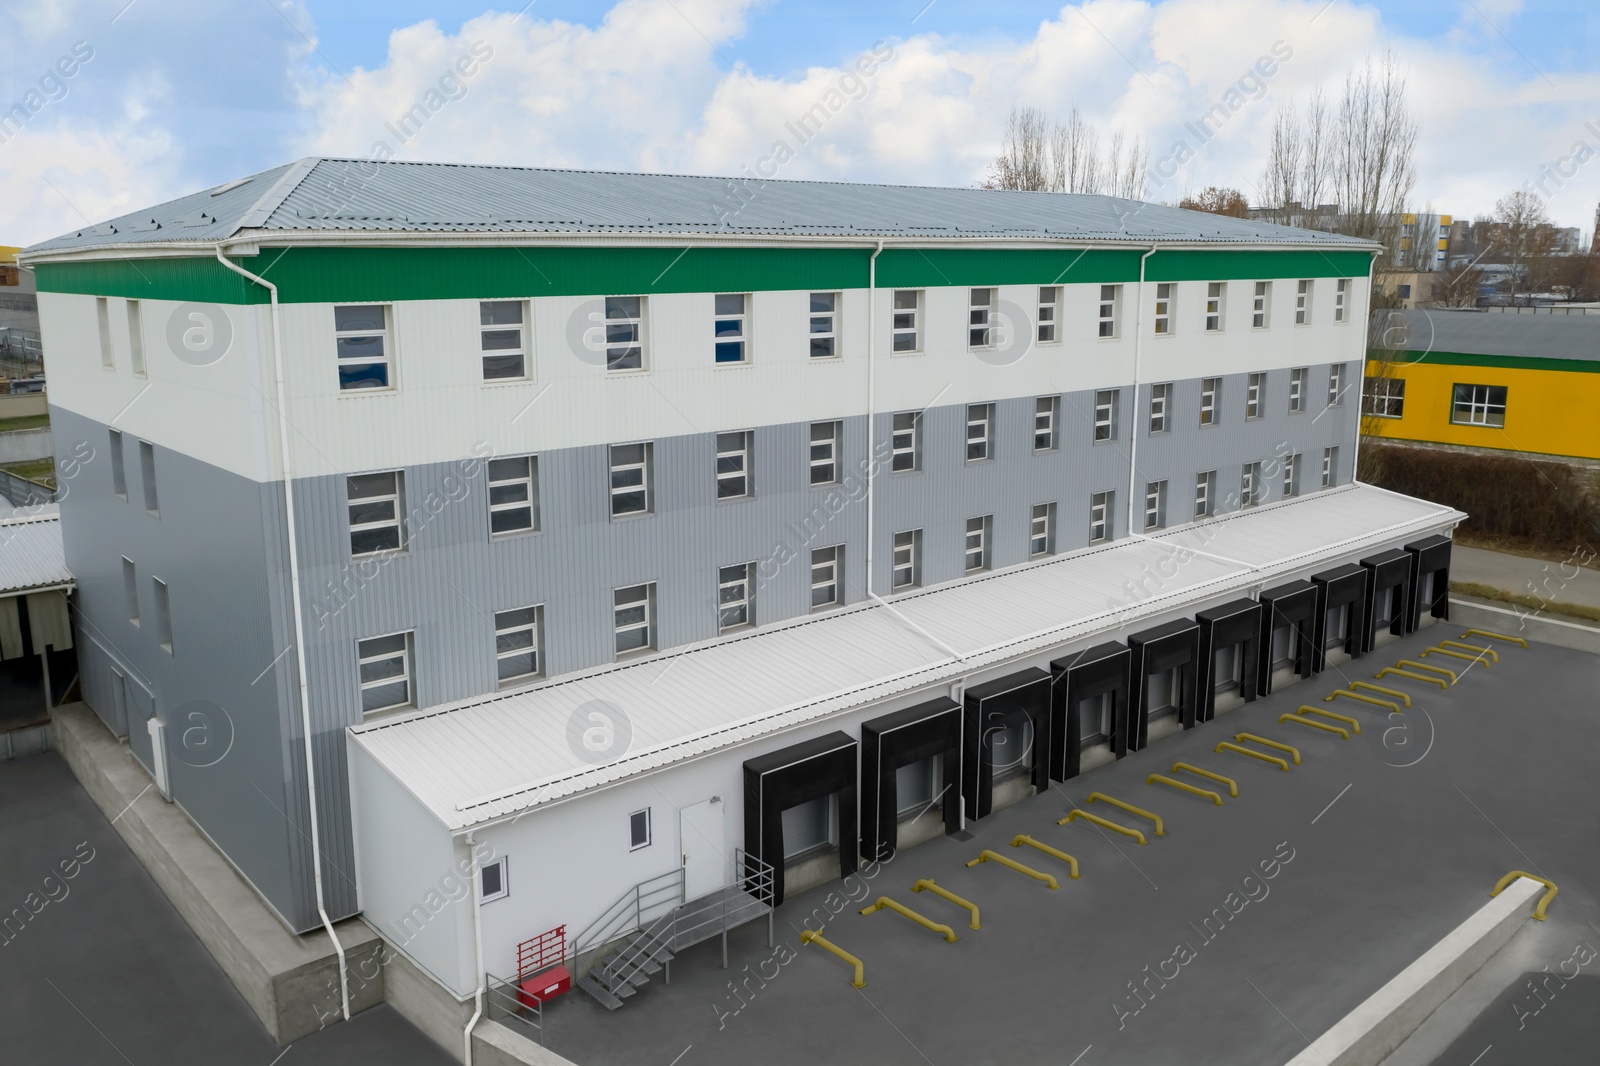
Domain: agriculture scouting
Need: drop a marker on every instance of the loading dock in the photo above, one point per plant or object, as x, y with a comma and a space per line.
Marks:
783, 780
1289, 611
1430, 579
1388, 594
1005, 730
895, 742
1230, 639
1172, 650
1340, 617
1089, 706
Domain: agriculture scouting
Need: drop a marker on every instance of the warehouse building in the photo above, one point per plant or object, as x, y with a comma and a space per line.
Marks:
564, 528
1487, 381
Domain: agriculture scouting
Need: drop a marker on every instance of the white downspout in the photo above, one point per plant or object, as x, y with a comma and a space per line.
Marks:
1361, 373
295, 611
872, 429
1133, 419
477, 944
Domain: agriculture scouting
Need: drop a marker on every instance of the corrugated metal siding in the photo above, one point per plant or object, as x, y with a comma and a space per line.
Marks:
487, 759
31, 555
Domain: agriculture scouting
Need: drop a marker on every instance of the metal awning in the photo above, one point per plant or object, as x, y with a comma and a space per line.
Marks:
490, 757
31, 556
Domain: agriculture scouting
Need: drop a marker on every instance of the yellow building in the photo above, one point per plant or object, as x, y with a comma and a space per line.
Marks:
1488, 380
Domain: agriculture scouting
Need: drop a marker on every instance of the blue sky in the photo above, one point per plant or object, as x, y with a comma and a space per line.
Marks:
182, 94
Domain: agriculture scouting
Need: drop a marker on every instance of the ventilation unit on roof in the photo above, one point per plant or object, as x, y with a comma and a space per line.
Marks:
230, 186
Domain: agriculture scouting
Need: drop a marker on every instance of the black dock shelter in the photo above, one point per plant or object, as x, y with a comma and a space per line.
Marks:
1292, 606
789, 777
1099, 672
990, 709
1235, 624
1174, 645
928, 730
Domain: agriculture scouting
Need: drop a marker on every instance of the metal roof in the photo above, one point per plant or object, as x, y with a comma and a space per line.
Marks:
1529, 335
356, 196
482, 759
31, 556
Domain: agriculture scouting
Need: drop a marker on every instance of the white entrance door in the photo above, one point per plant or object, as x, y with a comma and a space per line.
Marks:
700, 830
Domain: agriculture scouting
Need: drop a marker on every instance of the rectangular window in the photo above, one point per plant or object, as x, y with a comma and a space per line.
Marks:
163, 614
1155, 505
492, 883
377, 502
907, 558
136, 339
977, 543
1254, 388
906, 325
1105, 415
624, 332
1383, 397
147, 475
1046, 417
384, 664
1297, 390
119, 473
639, 830
1100, 517
980, 431
361, 346
732, 327
1049, 310
1261, 307
1478, 405
1302, 303
1210, 389
1216, 292
1336, 384
1164, 308
825, 567
1204, 490
1160, 398
102, 314
516, 644
513, 495
1341, 294
979, 333
1110, 297
1250, 487
733, 465
1042, 530
1330, 467
130, 589
630, 478
907, 441
735, 597
1291, 475
824, 325
501, 339
633, 617
825, 452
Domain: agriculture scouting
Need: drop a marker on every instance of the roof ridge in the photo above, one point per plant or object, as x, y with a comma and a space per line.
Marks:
259, 212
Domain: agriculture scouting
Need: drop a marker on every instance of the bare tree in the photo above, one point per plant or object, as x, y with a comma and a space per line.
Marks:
1419, 241
1522, 232
1217, 201
1024, 160
1040, 155
1374, 150
1297, 162
1458, 286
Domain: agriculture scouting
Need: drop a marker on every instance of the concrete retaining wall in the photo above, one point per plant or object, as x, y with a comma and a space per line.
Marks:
21, 404
21, 445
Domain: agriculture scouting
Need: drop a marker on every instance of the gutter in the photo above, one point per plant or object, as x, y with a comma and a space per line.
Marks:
477, 944
299, 633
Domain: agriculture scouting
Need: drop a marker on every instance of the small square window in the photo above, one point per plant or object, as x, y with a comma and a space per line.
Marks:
501, 339
1478, 405
639, 830
1384, 397
492, 883
824, 325
732, 328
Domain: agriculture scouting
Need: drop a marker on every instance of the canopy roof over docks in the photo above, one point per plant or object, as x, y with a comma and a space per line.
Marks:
34, 582
481, 760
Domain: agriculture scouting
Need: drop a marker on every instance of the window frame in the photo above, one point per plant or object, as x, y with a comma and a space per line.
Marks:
739, 577
624, 354
909, 541
912, 450
1105, 415
1047, 409
645, 489
1305, 291
980, 319
742, 477
1210, 405
1291, 475
828, 467
534, 626
1473, 404
1101, 516
1049, 324
1335, 384
1330, 462
1155, 505
1205, 493
980, 415
981, 527
396, 497
529, 479
634, 843
735, 350
1162, 319
1042, 514
1109, 323
647, 626
912, 314
522, 354
344, 364
1216, 303
1380, 400
1261, 306
1250, 487
505, 883
1254, 395
407, 675
831, 334
834, 562
1341, 294
1297, 389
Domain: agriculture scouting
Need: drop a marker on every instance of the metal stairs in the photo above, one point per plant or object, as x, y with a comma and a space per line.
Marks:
649, 949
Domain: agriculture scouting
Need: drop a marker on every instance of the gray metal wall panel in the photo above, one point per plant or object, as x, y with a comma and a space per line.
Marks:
218, 686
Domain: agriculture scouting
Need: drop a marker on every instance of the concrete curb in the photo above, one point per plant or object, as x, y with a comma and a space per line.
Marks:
1520, 622
1368, 1034
290, 981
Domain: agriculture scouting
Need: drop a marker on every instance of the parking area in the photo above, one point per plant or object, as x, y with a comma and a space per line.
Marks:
96, 967
1239, 936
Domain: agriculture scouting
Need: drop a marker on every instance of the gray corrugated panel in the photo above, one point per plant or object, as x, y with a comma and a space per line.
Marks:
361, 195
31, 555
1534, 335
488, 758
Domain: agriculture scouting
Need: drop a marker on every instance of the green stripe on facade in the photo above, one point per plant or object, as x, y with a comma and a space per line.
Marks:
336, 275
1500, 362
